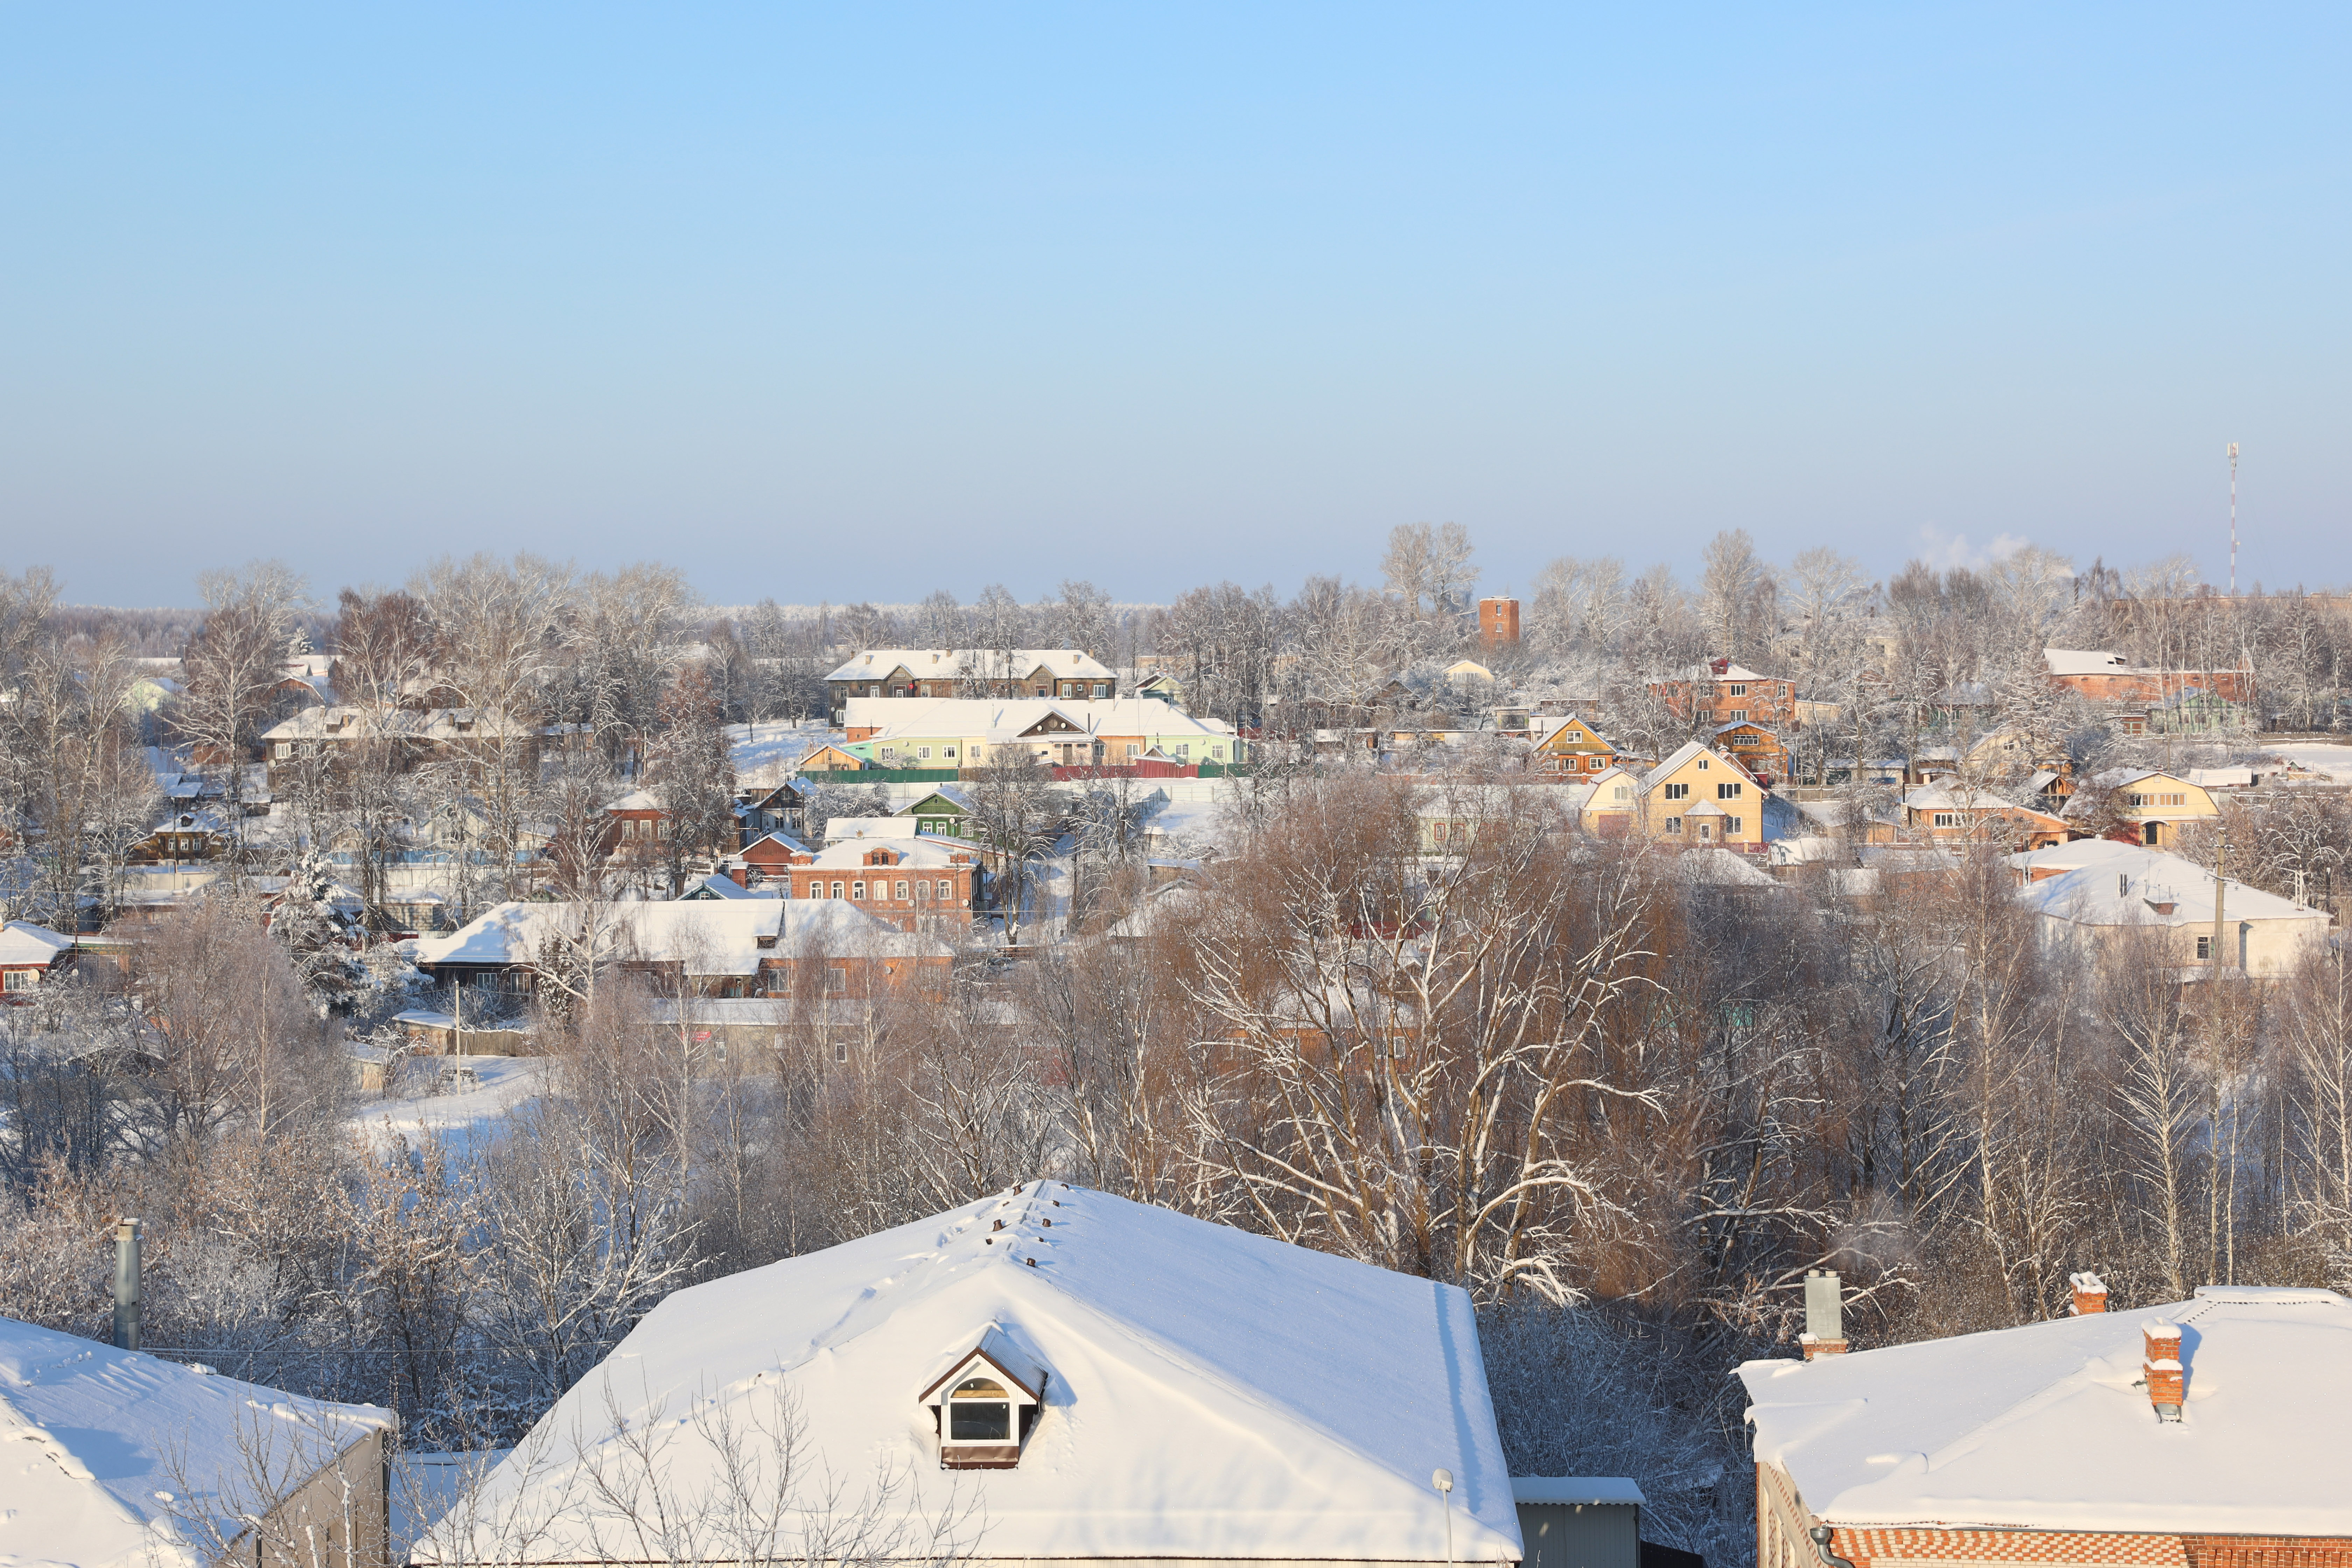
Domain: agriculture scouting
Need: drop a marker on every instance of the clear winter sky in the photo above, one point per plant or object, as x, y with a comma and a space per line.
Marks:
856, 301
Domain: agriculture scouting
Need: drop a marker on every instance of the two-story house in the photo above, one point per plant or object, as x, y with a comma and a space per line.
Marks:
1568, 748
1719, 692
1698, 796
2152, 805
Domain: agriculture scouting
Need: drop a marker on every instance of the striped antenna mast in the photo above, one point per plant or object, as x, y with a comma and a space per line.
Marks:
2233, 519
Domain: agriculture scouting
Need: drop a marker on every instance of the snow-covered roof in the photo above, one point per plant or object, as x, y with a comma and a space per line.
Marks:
23, 942
637, 800
2085, 661
1208, 1393
895, 718
954, 794
2042, 1428
840, 829
1945, 797
2148, 887
1704, 670
1722, 868
922, 854
708, 936
781, 839
718, 885
103, 1438
987, 664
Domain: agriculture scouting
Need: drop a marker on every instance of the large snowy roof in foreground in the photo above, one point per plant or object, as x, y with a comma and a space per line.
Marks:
98, 1433
2042, 1427
1208, 1394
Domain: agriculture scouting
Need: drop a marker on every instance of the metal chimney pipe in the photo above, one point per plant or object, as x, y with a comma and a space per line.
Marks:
126, 1284
1824, 1314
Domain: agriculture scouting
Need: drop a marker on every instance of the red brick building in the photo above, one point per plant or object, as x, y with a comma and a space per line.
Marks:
2107, 677
2210, 1432
1498, 622
1721, 692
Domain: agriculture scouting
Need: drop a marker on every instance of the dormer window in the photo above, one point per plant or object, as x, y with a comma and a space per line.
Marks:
985, 1407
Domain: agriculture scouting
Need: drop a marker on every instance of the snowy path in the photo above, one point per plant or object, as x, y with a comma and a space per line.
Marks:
466, 1120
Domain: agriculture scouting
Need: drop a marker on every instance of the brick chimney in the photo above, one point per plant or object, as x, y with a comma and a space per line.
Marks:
2090, 1294
1824, 1315
2167, 1381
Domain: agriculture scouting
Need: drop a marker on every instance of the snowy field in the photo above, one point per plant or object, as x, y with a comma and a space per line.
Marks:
2319, 756
768, 753
469, 1115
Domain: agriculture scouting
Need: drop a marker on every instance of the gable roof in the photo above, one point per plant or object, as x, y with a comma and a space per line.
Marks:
2042, 1427
983, 663
1684, 753
2085, 661
709, 937
2125, 888
103, 1435
1208, 1393
23, 942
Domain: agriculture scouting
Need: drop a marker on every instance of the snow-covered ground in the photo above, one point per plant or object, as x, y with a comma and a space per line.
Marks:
469, 1114
768, 753
2319, 756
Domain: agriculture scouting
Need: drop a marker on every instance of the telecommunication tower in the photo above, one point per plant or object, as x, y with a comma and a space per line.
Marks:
2233, 519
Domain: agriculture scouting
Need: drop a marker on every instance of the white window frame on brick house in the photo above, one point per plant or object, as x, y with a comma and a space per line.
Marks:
901, 894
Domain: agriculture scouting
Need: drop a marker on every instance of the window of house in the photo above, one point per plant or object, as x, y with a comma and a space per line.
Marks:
923, 753
1102, 688
1625, 792
1674, 825
816, 890
1739, 691
1738, 715
948, 752
901, 891
1945, 819
979, 1411
1703, 764
857, 892
18, 980
890, 752
1216, 750
2205, 948
1727, 792
1133, 750
841, 1047
837, 890
947, 888
284, 749
1184, 749
1730, 825
1678, 792
836, 978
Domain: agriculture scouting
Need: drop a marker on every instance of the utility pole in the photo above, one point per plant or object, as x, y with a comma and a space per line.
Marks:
2220, 881
2233, 519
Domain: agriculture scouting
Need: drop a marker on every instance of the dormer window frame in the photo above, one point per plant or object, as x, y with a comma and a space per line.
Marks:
1023, 1404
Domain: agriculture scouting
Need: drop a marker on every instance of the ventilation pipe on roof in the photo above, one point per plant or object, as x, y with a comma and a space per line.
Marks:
2090, 1294
2167, 1380
1824, 1315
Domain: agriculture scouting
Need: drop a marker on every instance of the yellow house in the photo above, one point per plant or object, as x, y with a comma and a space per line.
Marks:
1697, 796
1573, 748
2157, 805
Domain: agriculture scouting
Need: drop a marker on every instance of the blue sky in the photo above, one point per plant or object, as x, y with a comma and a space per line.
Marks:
858, 302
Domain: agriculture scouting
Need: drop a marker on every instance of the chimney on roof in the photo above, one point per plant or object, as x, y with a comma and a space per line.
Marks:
2090, 1294
1824, 1315
2167, 1381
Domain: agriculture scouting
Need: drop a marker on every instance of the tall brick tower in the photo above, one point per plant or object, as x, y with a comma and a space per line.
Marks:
1498, 622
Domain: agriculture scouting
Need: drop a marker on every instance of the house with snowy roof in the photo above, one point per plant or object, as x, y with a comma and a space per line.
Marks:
719, 947
29, 955
117, 1460
2094, 892
1699, 797
1057, 1375
887, 672
1718, 691
1948, 813
2148, 803
2210, 1433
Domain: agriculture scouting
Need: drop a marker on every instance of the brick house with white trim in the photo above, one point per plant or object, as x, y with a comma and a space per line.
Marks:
2212, 1433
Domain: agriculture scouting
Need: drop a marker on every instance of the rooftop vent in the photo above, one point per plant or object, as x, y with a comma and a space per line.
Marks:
1824, 1314
2167, 1380
2090, 1294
